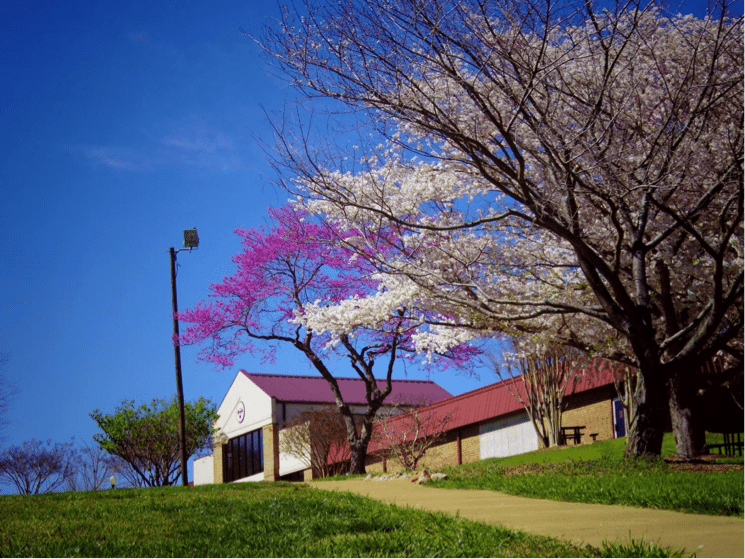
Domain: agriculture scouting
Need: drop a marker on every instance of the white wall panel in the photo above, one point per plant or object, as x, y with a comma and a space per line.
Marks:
204, 472
507, 437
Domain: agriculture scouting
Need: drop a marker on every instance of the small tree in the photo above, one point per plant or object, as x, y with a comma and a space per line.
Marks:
37, 467
146, 437
126, 475
310, 436
540, 384
624, 379
92, 469
407, 437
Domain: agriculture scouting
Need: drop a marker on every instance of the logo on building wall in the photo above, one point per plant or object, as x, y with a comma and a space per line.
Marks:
240, 412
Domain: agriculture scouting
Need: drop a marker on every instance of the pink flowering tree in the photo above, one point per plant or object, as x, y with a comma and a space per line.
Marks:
279, 273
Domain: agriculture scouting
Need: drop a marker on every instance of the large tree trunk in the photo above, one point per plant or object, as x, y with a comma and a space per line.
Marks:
645, 434
358, 448
686, 421
357, 459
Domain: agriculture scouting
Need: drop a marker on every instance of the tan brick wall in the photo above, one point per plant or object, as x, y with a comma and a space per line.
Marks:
217, 462
470, 443
271, 452
594, 410
374, 464
443, 454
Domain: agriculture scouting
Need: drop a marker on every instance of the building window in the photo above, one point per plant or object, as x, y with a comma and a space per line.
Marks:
243, 456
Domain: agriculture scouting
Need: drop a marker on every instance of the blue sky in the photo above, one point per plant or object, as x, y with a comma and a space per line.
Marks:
124, 123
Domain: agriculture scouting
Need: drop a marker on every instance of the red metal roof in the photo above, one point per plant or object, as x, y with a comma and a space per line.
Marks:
489, 402
291, 388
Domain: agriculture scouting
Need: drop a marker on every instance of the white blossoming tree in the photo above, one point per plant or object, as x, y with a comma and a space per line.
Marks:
563, 170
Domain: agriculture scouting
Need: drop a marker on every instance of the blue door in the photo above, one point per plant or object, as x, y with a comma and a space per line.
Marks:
618, 414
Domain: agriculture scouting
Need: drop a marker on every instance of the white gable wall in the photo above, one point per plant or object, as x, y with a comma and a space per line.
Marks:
257, 406
288, 463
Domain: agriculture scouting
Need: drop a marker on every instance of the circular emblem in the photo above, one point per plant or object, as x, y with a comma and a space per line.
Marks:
240, 412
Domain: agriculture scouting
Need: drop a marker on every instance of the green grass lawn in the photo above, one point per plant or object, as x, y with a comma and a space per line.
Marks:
598, 473
260, 520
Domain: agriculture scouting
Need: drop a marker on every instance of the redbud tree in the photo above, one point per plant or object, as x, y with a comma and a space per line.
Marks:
282, 270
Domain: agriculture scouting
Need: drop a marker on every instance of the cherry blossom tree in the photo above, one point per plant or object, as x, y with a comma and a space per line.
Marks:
281, 272
567, 170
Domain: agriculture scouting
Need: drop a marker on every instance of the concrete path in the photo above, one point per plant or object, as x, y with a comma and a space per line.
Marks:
707, 536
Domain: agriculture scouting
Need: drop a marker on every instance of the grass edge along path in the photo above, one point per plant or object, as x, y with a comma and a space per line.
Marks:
581, 523
598, 473
261, 520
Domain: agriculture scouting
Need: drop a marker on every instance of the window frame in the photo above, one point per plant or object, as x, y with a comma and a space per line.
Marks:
243, 456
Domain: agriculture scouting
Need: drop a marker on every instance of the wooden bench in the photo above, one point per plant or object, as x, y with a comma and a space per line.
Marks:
571, 433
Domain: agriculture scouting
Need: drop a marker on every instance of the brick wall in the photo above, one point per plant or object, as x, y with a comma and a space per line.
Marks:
374, 464
271, 451
471, 448
444, 453
217, 462
594, 409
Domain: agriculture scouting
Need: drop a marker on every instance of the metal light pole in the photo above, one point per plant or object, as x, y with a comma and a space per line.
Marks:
191, 241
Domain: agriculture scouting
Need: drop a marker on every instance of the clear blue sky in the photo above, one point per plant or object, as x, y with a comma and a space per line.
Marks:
124, 123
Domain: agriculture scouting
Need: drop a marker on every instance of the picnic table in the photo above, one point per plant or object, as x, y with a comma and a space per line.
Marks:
572, 432
732, 445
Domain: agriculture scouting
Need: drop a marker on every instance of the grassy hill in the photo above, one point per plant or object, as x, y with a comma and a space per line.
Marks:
259, 520
293, 520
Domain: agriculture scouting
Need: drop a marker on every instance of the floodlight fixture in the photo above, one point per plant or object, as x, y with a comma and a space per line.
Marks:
191, 239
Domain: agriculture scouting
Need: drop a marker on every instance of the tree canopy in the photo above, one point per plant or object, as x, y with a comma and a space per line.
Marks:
282, 272
35, 467
565, 170
146, 437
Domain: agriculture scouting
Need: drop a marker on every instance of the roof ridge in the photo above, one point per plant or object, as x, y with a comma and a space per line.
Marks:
321, 378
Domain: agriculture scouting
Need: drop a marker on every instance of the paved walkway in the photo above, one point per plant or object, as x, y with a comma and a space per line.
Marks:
708, 536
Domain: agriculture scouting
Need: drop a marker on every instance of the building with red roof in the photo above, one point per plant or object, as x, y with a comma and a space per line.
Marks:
256, 408
491, 422
484, 423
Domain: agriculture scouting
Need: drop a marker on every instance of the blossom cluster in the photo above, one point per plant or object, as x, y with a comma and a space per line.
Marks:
573, 179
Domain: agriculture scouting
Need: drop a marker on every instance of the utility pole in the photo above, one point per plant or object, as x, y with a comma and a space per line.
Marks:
191, 241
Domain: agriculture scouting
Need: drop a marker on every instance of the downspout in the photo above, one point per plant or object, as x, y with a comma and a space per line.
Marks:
460, 447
